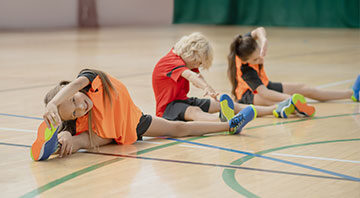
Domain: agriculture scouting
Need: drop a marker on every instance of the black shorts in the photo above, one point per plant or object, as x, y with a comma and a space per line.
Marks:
248, 96
143, 125
175, 110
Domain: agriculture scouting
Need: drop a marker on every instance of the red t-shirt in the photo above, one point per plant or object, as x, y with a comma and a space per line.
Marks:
168, 84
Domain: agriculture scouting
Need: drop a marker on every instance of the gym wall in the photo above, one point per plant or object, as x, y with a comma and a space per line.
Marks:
293, 13
50, 14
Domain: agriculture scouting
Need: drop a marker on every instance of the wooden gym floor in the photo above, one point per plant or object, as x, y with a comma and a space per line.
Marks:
293, 157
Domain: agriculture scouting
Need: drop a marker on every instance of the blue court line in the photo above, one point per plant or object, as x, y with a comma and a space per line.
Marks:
18, 145
193, 163
211, 165
20, 116
197, 163
270, 158
236, 151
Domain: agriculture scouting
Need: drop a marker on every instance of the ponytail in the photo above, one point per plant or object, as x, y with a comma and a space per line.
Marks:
232, 64
107, 85
242, 47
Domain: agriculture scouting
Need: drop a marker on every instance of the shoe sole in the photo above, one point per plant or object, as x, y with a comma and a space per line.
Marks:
44, 135
301, 106
227, 106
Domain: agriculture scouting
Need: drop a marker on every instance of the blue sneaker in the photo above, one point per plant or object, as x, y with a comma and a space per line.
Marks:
356, 89
241, 119
226, 108
45, 144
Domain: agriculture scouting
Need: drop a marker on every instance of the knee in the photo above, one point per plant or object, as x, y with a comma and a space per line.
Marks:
192, 112
305, 89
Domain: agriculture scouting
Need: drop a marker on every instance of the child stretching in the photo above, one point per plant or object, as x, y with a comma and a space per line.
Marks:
95, 109
250, 85
171, 77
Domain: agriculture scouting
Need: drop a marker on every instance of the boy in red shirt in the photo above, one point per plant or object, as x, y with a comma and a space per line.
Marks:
171, 77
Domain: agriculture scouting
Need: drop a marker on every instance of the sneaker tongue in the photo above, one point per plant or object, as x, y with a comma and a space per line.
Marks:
284, 103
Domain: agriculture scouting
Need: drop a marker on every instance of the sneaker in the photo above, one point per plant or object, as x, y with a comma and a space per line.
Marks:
284, 109
241, 119
226, 108
45, 144
301, 106
356, 89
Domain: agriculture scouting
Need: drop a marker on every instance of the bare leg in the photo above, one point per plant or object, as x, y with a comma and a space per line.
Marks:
316, 93
266, 97
261, 110
194, 113
162, 127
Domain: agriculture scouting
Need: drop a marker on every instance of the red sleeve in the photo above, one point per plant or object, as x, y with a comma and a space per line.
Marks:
176, 72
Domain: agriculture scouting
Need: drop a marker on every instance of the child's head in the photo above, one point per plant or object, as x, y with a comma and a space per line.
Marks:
246, 49
195, 50
75, 106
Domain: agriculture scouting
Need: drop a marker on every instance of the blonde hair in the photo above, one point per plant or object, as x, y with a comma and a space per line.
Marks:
195, 48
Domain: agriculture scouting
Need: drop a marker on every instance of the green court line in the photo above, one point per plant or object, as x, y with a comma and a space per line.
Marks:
61, 180
70, 176
229, 174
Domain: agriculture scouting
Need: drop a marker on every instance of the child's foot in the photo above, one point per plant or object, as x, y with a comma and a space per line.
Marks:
301, 106
284, 109
356, 90
226, 108
241, 119
45, 144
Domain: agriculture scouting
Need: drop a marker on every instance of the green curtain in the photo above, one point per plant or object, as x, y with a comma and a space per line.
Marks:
296, 13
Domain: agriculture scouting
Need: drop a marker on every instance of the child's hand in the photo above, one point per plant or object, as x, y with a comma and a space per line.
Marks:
51, 115
211, 92
65, 139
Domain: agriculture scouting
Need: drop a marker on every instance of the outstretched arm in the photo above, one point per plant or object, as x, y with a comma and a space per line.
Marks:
198, 81
51, 115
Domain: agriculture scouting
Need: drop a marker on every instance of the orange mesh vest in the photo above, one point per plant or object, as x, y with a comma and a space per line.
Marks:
242, 86
117, 120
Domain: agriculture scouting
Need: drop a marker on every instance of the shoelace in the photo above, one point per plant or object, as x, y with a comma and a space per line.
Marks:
238, 120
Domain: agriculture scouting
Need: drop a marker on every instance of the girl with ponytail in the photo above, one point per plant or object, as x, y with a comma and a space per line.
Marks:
250, 84
96, 109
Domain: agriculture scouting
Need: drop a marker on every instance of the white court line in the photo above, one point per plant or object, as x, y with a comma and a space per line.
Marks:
335, 83
20, 130
199, 147
318, 158
190, 146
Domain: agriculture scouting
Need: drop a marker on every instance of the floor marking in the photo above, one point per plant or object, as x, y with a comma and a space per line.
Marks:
270, 158
229, 174
210, 164
21, 116
19, 130
318, 158
335, 83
